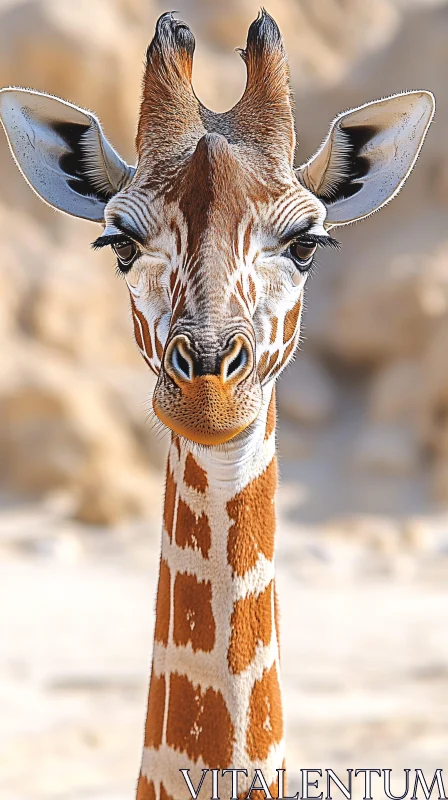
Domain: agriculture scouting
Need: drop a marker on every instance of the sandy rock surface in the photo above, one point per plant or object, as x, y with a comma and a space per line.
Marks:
376, 312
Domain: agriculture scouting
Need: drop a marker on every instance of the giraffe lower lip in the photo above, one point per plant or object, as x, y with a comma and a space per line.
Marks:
209, 437
206, 411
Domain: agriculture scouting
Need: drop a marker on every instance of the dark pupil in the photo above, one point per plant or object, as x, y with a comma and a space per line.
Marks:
124, 251
302, 251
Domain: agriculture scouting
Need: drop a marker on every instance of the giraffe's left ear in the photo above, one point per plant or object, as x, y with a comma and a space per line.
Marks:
62, 152
367, 156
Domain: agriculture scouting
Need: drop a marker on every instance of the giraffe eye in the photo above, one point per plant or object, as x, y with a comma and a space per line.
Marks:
126, 253
302, 251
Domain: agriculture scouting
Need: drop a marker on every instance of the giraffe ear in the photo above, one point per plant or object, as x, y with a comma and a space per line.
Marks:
62, 152
367, 155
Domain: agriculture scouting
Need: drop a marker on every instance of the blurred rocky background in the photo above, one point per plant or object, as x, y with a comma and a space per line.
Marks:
363, 429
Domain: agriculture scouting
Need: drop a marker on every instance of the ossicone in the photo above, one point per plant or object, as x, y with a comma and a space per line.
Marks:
264, 43
172, 47
264, 112
169, 113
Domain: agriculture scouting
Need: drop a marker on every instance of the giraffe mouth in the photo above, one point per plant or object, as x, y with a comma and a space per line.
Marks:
206, 410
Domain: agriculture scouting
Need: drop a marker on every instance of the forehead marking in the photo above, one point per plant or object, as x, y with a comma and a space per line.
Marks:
292, 208
282, 206
135, 207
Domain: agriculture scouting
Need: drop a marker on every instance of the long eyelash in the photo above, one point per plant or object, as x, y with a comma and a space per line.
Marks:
105, 241
321, 241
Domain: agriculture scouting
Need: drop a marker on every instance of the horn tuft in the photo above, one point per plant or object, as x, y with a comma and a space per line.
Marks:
172, 38
263, 36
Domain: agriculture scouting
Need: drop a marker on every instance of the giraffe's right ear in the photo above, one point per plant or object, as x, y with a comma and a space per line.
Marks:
62, 152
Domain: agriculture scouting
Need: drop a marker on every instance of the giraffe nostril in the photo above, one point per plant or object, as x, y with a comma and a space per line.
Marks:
239, 361
181, 364
178, 360
237, 364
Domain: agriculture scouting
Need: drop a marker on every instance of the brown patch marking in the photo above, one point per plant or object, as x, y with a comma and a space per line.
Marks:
175, 228
146, 345
164, 794
274, 329
192, 531
252, 514
262, 364
173, 278
176, 442
137, 332
175, 294
163, 604
288, 351
150, 365
252, 290
155, 713
159, 348
145, 789
265, 716
272, 361
235, 305
194, 475
271, 417
246, 240
239, 287
251, 623
291, 319
193, 615
199, 724
170, 499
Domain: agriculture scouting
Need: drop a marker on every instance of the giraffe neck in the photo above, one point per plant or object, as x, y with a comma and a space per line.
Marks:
214, 698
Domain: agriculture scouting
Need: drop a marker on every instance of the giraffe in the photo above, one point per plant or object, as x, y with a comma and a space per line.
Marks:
215, 233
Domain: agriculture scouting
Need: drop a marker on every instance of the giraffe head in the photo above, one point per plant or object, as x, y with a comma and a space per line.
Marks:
214, 229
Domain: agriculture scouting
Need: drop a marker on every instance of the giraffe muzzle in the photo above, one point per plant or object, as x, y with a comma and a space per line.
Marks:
208, 398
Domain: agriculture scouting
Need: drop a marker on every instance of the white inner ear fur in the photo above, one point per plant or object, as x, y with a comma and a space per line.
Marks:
44, 133
386, 136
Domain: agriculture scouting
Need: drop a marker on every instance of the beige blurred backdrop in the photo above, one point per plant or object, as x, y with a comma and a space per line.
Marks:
363, 431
